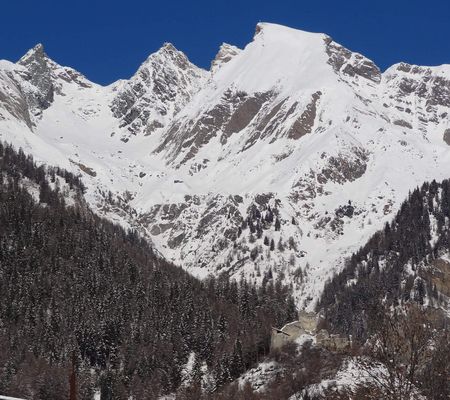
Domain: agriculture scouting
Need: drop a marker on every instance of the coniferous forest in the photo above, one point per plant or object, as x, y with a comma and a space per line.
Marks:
399, 264
390, 300
88, 305
88, 308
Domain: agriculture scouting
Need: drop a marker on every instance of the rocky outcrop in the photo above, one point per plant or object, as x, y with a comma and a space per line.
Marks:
304, 124
351, 64
447, 136
162, 86
226, 53
333, 342
39, 74
344, 167
231, 115
13, 100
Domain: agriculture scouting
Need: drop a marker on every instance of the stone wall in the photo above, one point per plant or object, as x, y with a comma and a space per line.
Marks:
289, 333
332, 342
308, 321
307, 324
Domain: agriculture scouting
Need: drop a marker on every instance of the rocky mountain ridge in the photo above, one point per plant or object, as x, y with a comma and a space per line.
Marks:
281, 160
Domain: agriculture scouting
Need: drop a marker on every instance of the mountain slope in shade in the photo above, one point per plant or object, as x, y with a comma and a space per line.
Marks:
283, 159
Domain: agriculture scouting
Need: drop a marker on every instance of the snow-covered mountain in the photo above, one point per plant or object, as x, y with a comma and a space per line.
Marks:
282, 159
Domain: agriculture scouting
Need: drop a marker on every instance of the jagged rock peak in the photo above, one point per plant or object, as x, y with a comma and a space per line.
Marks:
37, 52
161, 87
39, 72
167, 46
168, 50
168, 53
225, 54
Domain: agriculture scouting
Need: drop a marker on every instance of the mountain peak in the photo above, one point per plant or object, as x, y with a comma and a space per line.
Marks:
281, 31
37, 52
168, 50
167, 53
38, 49
167, 46
226, 53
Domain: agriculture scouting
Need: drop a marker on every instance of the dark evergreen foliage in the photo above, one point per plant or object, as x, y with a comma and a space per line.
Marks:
76, 287
380, 272
277, 224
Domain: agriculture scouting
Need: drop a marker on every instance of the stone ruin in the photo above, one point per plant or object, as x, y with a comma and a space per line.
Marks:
307, 324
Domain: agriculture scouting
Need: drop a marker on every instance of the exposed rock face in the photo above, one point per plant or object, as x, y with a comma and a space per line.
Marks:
12, 99
234, 112
226, 53
420, 95
351, 64
439, 274
447, 136
246, 110
39, 74
303, 125
332, 342
163, 85
288, 334
422, 81
29, 87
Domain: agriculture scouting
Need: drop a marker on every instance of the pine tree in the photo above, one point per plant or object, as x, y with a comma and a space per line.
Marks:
277, 224
237, 364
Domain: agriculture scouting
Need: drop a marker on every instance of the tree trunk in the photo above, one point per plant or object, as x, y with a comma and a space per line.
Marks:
73, 380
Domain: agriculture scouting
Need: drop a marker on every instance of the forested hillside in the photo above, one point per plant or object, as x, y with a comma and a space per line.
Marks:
392, 300
407, 261
83, 298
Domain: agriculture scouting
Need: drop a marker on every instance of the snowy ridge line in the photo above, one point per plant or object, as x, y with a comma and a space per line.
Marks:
293, 123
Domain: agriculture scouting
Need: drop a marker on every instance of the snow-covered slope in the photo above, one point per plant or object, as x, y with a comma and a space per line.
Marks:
281, 160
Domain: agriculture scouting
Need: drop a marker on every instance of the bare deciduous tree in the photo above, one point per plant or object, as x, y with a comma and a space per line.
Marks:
394, 355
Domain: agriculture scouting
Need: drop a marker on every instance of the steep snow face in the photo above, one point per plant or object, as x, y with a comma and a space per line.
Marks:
280, 161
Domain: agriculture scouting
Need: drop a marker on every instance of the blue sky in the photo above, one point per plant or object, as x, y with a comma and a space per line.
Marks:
107, 40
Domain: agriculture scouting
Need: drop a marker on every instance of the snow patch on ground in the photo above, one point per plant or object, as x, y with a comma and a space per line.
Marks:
260, 376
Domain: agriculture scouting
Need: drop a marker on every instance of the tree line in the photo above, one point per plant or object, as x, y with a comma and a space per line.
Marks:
394, 266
